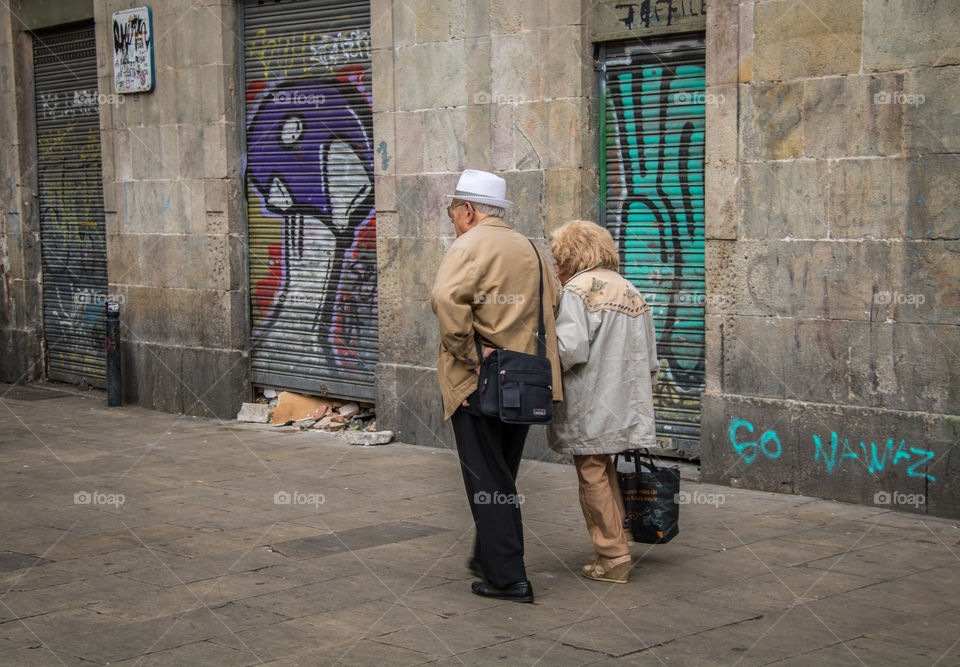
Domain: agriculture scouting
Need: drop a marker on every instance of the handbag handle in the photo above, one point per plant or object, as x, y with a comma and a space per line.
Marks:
635, 455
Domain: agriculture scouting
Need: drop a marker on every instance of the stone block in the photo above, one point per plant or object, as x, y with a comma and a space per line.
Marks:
409, 331
562, 62
748, 442
943, 492
926, 289
503, 132
800, 359
191, 151
926, 367
933, 199
385, 190
429, 76
381, 24
722, 62
770, 121
382, 72
386, 396
721, 124
388, 222
215, 382
445, 139
868, 198
408, 150
154, 207
745, 39
368, 438
420, 259
255, 413
420, 408
215, 103
812, 39
215, 159
159, 316
713, 336
563, 201
384, 139
390, 268
566, 13
404, 16
432, 20
852, 117
548, 134
526, 190
152, 375
421, 204
22, 355
185, 104
506, 16
215, 195
783, 199
721, 200
911, 33
931, 110
123, 157
477, 69
873, 455
514, 80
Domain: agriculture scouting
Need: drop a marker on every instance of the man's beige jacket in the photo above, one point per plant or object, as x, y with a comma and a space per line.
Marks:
487, 284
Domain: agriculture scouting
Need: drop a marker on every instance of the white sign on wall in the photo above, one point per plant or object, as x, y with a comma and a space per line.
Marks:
133, 50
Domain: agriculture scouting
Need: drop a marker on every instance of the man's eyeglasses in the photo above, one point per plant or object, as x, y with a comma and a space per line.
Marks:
453, 206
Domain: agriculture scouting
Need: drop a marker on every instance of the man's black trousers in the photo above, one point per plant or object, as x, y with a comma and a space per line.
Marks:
490, 452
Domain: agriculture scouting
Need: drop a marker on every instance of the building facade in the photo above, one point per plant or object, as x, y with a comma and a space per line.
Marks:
269, 212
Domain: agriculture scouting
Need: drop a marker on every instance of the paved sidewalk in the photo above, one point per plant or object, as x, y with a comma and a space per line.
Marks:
138, 537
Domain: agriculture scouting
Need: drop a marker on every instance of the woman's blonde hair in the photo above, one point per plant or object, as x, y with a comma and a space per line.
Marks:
581, 244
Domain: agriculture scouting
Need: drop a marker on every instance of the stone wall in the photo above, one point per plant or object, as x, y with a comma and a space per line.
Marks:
20, 312
172, 171
493, 85
832, 250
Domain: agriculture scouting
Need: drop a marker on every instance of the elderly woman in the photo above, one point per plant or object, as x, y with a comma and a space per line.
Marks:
609, 359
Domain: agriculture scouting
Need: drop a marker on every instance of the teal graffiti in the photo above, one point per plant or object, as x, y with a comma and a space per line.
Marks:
874, 458
753, 447
656, 116
384, 157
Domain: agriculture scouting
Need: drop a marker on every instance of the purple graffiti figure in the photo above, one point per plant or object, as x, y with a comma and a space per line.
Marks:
310, 159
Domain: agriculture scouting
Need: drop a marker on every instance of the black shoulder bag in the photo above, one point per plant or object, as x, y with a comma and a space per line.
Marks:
517, 387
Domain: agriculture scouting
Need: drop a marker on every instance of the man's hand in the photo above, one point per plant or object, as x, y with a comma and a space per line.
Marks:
486, 353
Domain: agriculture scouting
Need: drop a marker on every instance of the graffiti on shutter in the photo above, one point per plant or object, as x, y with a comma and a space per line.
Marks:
654, 139
310, 197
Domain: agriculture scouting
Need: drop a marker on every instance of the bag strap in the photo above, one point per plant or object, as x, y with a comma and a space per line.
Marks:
541, 331
634, 455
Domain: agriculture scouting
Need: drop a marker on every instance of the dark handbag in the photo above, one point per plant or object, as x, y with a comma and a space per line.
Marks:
650, 499
517, 387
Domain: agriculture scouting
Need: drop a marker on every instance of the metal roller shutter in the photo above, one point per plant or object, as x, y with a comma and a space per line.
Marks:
652, 178
310, 204
72, 232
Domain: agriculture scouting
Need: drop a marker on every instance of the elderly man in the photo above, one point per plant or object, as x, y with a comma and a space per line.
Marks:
486, 297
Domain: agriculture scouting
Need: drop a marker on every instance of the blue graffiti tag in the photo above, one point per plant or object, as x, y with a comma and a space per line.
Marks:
875, 458
755, 449
873, 464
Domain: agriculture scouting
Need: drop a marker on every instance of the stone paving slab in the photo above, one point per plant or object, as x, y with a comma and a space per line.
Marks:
204, 560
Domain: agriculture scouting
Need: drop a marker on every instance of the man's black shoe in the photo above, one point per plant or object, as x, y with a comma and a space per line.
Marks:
519, 592
475, 568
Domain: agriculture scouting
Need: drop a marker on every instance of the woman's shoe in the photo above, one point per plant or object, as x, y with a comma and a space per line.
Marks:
614, 570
